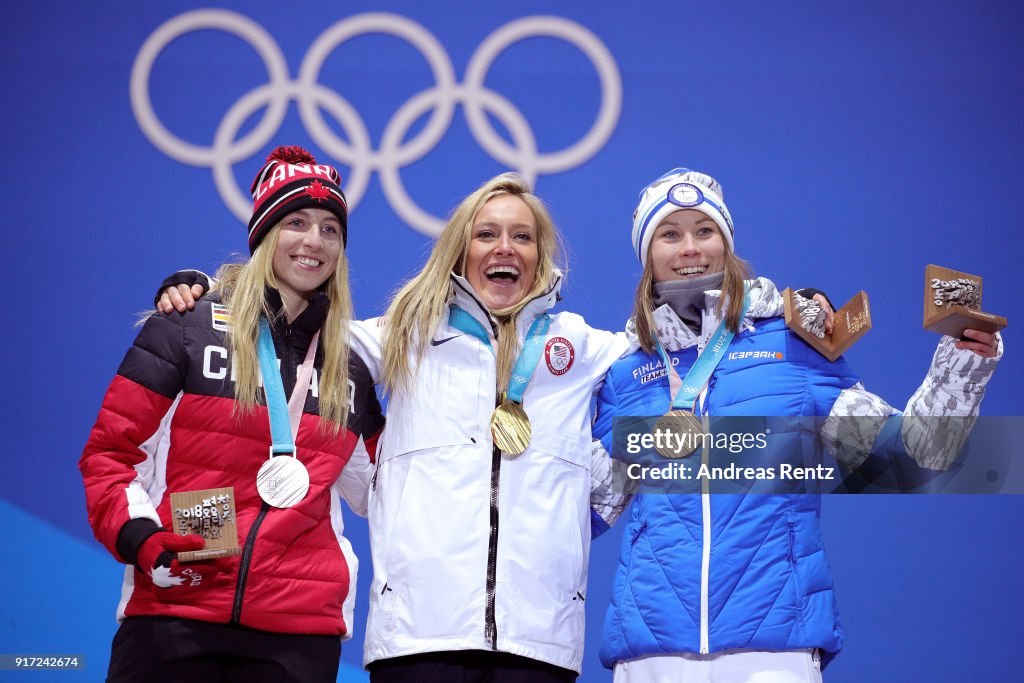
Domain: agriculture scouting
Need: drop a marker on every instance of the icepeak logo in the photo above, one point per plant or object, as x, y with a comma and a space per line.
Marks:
767, 355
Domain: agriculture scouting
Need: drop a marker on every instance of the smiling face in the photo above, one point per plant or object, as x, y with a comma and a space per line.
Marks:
502, 261
306, 255
687, 244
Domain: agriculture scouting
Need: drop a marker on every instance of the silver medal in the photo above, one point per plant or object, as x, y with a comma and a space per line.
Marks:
282, 481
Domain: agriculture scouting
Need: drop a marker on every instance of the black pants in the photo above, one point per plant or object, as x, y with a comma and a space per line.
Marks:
467, 666
168, 650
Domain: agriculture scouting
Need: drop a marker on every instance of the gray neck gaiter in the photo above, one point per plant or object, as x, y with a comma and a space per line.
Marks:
686, 297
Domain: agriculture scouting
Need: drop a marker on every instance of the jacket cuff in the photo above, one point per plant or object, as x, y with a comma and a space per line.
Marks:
132, 535
963, 372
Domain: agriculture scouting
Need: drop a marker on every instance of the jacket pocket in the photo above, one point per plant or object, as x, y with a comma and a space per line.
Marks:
566, 449
799, 597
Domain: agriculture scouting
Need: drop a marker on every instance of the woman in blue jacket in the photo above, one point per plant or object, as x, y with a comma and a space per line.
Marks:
736, 587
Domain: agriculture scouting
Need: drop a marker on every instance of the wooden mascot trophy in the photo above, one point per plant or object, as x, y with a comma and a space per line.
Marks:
211, 514
852, 322
952, 303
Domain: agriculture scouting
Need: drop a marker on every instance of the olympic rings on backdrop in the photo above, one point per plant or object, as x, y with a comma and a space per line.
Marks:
357, 152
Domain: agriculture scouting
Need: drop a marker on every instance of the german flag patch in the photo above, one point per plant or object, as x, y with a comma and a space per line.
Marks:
221, 316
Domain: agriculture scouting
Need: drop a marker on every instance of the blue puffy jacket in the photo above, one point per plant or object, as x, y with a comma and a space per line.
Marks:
706, 573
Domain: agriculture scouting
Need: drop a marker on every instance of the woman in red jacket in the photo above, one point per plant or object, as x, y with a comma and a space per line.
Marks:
199, 403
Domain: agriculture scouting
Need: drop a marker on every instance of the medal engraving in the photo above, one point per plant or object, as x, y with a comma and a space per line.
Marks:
510, 428
211, 514
282, 481
686, 433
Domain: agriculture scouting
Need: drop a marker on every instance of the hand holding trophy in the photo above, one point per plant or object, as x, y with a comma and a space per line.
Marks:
807, 319
952, 305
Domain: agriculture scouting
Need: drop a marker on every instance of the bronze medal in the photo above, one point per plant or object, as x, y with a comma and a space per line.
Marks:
685, 429
510, 428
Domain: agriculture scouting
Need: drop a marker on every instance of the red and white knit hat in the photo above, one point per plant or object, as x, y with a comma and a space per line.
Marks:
292, 180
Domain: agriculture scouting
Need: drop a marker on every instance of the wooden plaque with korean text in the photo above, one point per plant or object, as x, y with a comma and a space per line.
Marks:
943, 318
852, 322
211, 514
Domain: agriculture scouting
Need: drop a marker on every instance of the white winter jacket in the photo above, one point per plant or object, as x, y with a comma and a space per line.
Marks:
473, 549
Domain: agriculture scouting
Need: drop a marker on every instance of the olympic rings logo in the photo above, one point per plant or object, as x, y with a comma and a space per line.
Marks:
357, 153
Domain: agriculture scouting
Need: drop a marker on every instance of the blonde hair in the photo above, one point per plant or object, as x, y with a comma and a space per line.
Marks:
243, 287
737, 271
419, 307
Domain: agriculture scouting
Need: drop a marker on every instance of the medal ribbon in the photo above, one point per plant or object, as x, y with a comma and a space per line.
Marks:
686, 390
526, 364
284, 417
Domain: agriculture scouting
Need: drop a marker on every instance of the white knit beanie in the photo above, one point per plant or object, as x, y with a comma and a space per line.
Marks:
679, 189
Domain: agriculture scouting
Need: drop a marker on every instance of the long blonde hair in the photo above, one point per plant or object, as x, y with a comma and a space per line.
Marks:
243, 287
737, 271
421, 304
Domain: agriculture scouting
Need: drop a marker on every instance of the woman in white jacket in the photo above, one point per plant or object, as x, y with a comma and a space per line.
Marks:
480, 555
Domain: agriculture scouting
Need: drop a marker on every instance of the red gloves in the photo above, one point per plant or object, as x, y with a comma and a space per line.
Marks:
156, 556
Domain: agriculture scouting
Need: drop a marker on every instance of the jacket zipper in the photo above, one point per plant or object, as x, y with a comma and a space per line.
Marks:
705, 559
243, 567
490, 624
705, 562
250, 539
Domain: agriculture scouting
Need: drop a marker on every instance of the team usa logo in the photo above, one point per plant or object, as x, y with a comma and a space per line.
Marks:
559, 355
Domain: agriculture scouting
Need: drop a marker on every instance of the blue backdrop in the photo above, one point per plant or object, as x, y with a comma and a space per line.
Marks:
856, 142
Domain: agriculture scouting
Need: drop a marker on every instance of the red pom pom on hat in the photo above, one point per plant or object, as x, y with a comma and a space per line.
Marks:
291, 154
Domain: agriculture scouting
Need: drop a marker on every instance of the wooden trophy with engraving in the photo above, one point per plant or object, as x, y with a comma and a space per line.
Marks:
211, 514
852, 322
952, 303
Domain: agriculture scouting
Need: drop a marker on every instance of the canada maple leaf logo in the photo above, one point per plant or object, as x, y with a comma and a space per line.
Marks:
163, 578
318, 191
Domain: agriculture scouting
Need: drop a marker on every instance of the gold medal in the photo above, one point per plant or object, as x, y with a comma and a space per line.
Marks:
510, 428
680, 434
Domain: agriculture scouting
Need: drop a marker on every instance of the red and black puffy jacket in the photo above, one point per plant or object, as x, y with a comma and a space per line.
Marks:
168, 424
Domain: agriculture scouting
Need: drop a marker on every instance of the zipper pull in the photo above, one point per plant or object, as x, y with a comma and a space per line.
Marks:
490, 635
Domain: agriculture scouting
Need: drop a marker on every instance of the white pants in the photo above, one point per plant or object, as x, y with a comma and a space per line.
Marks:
732, 666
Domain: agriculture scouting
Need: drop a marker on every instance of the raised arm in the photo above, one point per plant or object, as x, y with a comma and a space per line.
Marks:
936, 421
